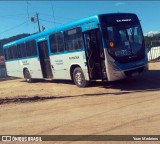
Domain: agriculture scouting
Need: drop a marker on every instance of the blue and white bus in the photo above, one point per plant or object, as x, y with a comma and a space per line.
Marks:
105, 47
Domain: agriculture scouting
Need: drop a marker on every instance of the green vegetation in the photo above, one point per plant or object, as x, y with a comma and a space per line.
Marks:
151, 41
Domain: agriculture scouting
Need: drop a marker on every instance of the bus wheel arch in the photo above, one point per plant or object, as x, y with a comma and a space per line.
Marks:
72, 69
27, 75
78, 77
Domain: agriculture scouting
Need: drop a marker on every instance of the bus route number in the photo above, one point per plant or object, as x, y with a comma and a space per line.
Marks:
74, 57
25, 62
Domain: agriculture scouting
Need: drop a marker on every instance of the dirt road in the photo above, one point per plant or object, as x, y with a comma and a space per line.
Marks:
130, 106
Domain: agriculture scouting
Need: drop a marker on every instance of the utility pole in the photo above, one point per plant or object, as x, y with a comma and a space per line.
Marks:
36, 19
37, 16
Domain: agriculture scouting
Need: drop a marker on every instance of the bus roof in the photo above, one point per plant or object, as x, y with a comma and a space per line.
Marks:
60, 28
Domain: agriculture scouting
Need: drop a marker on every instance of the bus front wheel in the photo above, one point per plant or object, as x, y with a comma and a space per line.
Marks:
27, 76
79, 78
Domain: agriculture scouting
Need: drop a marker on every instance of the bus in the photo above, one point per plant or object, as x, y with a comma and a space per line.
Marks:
105, 47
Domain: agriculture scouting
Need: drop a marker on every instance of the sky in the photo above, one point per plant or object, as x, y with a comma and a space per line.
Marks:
15, 15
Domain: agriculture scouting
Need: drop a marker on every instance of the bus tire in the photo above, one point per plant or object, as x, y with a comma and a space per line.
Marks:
27, 76
79, 78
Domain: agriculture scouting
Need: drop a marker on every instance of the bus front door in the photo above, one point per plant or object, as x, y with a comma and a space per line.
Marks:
44, 59
94, 54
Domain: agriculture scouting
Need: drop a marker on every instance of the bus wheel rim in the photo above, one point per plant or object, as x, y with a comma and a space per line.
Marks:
27, 76
79, 78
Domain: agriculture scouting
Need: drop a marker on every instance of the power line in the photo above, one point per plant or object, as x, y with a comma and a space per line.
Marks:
27, 9
58, 17
12, 15
50, 21
52, 11
13, 27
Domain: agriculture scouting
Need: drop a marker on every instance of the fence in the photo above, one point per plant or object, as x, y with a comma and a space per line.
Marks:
154, 54
3, 73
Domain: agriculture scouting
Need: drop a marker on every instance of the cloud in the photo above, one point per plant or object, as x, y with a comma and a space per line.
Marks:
151, 33
119, 4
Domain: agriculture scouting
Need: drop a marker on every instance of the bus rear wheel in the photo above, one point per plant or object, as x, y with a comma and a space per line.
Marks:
27, 76
79, 78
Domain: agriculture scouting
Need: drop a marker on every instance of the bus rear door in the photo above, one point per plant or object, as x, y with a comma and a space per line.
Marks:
44, 59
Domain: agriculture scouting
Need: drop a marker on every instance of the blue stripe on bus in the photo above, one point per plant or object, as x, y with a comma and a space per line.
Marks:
67, 52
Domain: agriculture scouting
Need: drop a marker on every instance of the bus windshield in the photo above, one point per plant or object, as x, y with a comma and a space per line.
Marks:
124, 40
123, 35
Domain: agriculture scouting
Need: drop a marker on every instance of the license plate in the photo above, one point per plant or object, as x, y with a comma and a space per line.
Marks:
135, 74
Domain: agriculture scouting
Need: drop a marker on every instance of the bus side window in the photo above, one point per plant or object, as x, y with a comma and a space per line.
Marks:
73, 39
33, 48
18, 51
14, 52
56, 42
30, 48
6, 53
9, 53
23, 50
53, 46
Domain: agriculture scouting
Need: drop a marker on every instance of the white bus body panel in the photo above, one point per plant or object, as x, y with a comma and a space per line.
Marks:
15, 68
62, 63
33, 65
